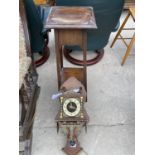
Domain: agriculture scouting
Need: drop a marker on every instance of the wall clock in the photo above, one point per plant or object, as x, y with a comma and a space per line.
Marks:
72, 115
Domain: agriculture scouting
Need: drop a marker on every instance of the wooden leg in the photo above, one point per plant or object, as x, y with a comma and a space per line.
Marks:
119, 31
128, 50
123, 40
85, 58
58, 57
61, 57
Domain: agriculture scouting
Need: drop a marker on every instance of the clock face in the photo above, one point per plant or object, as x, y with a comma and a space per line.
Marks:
71, 107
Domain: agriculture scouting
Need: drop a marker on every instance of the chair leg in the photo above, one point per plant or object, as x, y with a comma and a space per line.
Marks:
119, 31
128, 50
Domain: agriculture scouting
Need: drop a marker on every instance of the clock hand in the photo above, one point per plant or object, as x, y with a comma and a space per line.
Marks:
71, 106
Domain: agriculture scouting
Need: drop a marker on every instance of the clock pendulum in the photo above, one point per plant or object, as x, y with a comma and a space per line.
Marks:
70, 25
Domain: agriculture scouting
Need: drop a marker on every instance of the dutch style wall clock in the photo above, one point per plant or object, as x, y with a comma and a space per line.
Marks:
72, 115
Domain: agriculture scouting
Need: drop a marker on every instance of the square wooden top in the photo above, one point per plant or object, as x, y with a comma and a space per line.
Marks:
61, 17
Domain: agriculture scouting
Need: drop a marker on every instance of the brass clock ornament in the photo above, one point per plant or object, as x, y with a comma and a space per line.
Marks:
72, 115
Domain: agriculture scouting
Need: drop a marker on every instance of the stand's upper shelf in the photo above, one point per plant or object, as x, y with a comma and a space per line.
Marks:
61, 17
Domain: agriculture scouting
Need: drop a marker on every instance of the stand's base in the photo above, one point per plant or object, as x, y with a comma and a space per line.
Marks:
90, 62
44, 58
46, 52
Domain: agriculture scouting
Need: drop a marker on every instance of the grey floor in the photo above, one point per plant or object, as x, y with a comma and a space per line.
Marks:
111, 99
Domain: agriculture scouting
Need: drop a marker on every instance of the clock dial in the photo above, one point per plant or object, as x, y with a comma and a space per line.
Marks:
71, 107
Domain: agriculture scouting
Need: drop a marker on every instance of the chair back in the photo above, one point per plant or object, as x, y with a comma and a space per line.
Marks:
35, 26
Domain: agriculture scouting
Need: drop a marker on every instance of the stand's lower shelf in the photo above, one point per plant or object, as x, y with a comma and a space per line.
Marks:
76, 72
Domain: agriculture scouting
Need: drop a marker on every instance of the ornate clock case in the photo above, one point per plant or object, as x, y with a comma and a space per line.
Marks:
72, 115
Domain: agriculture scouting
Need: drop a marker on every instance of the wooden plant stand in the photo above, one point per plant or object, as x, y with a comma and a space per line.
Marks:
70, 24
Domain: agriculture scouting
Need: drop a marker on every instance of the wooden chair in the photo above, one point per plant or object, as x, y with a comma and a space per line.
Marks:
119, 36
36, 15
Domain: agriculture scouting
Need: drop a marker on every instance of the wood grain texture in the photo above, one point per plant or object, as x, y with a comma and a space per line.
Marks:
71, 17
